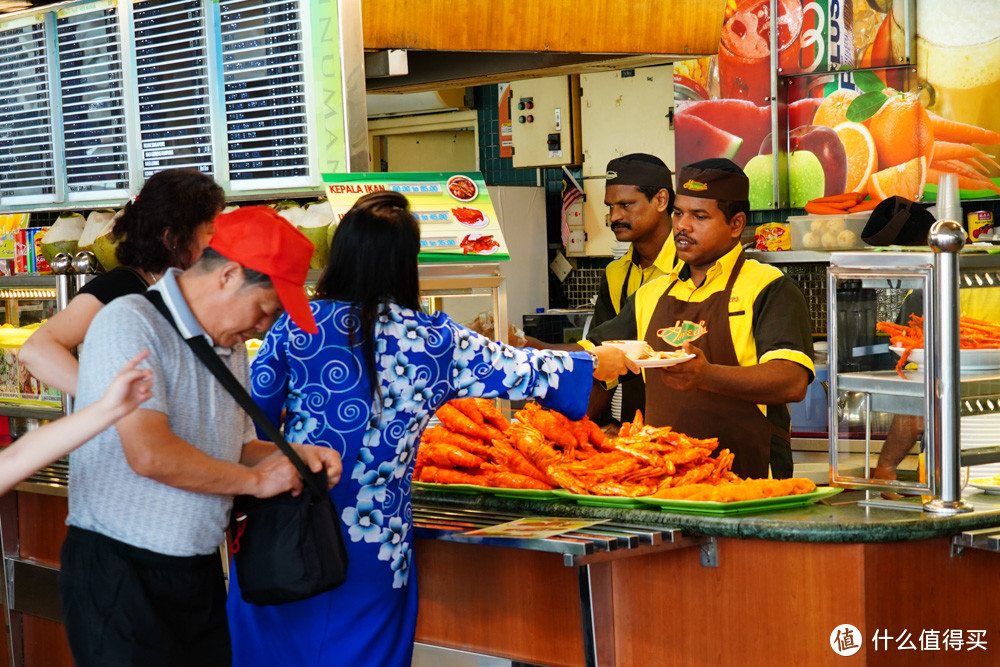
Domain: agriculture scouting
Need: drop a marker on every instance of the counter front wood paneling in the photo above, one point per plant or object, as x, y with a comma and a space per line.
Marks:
43, 526
689, 27
45, 643
766, 603
520, 605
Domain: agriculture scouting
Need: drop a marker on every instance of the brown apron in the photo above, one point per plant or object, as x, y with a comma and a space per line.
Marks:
739, 425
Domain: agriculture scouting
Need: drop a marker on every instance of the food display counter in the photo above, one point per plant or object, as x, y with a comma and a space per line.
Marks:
763, 588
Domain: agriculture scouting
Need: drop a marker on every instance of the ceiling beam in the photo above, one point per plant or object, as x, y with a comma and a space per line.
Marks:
689, 28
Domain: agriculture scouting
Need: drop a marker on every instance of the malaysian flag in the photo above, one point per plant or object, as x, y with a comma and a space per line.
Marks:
571, 192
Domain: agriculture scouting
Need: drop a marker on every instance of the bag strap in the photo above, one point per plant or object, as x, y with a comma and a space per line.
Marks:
315, 481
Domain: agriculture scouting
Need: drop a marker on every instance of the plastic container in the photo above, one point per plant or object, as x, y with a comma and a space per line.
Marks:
827, 232
811, 415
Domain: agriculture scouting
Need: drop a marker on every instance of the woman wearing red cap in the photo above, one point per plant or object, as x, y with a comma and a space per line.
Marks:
168, 225
366, 385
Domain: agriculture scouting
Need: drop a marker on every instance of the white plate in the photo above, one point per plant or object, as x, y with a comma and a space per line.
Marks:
968, 360
662, 363
476, 235
631, 348
482, 222
992, 489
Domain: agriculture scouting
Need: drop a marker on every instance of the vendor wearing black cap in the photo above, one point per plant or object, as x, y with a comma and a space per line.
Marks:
746, 324
639, 196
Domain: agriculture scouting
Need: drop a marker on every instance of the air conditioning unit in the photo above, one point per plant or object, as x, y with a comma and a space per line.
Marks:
389, 105
267, 95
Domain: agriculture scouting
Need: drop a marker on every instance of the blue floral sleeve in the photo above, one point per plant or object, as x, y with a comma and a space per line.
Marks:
557, 380
269, 384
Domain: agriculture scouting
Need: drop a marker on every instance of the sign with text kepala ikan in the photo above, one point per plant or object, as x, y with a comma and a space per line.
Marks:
457, 219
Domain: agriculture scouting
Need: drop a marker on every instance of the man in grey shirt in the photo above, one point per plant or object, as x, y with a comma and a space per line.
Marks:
141, 580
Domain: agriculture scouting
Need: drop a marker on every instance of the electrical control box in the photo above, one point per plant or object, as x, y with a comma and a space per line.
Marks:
545, 125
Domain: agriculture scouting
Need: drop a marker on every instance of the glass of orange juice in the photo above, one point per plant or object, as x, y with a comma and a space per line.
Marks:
958, 61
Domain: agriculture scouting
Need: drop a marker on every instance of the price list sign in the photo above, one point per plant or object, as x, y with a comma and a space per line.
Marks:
27, 161
91, 79
457, 219
173, 86
264, 83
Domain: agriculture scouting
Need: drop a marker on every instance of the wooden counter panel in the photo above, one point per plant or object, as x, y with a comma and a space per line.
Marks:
689, 27
42, 520
511, 603
670, 610
919, 586
45, 643
4, 647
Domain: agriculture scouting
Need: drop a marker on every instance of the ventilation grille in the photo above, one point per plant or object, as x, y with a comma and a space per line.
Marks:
92, 105
172, 70
264, 86
27, 163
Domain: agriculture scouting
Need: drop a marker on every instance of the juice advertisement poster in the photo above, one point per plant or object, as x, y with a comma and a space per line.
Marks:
878, 141
864, 122
457, 220
723, 104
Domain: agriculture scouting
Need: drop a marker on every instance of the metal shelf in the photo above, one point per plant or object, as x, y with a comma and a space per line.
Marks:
27, 281
905, 395
790, 256
29, 412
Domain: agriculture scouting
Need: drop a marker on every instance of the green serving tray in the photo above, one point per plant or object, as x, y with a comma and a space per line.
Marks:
470, 489
621, 502
740, 506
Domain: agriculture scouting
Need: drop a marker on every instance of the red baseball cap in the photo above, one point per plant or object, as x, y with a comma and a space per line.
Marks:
260, 239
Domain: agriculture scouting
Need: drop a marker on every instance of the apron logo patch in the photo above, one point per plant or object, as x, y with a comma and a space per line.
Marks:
682, 332
734, 299
697, 186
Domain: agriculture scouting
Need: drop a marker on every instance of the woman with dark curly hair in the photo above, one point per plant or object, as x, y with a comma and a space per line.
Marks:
167, 225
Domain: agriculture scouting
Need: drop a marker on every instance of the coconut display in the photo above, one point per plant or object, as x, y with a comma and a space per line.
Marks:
105, 245
63, 236
316, 225
96, 222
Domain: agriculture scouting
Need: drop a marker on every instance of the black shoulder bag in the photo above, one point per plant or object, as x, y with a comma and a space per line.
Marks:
285, 548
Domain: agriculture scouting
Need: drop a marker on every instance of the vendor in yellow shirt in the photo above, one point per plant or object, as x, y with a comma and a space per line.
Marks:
639, 196
746, 324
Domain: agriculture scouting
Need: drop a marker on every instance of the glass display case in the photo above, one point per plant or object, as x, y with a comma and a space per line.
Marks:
896, 412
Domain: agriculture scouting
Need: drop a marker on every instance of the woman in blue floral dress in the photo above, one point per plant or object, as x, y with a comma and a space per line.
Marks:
373, 334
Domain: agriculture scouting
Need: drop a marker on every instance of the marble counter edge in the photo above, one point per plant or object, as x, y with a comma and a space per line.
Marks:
809, 523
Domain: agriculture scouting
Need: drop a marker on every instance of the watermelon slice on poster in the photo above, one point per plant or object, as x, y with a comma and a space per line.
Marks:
740, 118
697, 139
801, 112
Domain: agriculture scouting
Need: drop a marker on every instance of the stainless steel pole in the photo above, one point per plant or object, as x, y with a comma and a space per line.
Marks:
946, 238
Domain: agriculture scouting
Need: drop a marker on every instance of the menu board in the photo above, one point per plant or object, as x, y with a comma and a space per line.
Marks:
264, 83
27, 160
93, 113
457, 219
172, 75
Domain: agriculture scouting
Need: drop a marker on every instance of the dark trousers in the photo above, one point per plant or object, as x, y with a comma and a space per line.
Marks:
124, 606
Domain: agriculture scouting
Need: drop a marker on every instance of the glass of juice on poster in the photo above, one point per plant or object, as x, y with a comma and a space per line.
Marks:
745, 53
958, 62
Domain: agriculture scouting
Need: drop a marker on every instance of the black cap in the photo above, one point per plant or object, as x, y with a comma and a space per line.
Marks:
898, 221
640, 170
714, 178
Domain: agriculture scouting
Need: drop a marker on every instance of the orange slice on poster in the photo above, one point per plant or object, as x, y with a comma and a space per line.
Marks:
861, 157
903, 180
